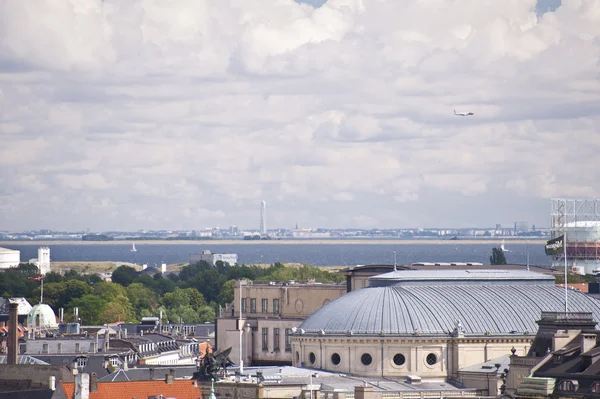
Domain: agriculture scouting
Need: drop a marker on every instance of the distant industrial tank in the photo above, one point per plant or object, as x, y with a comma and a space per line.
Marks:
579, 220
9, 258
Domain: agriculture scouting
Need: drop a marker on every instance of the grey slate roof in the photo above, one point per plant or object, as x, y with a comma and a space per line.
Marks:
434, 309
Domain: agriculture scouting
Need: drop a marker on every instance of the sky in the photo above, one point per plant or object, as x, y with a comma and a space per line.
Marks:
145, 114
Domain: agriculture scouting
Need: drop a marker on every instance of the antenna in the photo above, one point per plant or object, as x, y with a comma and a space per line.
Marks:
566, 287
241, 331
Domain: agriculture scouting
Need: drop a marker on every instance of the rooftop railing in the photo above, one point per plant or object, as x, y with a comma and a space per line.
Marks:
568, 316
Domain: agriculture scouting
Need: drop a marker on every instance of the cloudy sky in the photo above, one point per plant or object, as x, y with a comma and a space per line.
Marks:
186, 114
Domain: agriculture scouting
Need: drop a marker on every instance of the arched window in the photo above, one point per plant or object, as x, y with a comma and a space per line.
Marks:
568, 385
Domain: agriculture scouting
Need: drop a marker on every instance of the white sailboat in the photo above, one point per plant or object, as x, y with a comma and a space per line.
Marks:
503, 248
133, 248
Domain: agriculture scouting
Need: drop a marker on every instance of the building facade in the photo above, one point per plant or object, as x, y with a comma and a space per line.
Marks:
212, 259
270, 311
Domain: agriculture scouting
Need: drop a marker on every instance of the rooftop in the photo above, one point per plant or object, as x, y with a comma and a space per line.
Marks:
444, 309
140, 389
460, 276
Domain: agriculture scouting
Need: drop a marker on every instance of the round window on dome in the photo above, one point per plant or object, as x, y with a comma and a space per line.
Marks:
336, 359
366, 359
431, 359
312, 358
399, 359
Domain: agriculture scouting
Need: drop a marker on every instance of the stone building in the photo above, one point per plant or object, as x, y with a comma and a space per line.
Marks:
269, 313
430, 323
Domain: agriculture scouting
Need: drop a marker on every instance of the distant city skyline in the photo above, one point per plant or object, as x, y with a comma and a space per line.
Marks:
339, 113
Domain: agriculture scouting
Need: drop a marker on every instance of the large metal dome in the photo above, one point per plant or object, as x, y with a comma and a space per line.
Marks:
42, 315
436, 308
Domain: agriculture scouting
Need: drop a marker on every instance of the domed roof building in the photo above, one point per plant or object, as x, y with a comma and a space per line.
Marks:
42, 315
431, 323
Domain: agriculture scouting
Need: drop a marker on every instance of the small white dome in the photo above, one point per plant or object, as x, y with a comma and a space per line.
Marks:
42, 315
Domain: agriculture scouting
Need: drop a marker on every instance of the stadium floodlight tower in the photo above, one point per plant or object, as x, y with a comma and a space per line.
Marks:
579, 219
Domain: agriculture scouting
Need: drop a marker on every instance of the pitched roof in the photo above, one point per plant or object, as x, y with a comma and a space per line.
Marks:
180, 389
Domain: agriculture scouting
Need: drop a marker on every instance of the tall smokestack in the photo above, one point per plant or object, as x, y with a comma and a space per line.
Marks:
13, 334
263, 217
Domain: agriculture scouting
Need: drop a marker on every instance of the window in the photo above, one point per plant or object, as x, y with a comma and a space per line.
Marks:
568, 385
276, 306
366, 359
276, 339
77, 348
243, 305
595, 387
312, 358
431, 359
59, 347
252, 305
336, 359
265, 339
265, 306
44, 348
288, 339
399, 359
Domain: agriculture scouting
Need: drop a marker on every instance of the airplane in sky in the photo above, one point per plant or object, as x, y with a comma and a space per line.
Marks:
463, 113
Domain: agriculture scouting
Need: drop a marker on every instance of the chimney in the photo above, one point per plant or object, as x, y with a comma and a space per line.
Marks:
170, 378
82, 386
588, 342
106, 340
94, 383
52, 383
13, 335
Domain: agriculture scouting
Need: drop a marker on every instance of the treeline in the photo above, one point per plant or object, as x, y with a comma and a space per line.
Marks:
192, 296
178, 238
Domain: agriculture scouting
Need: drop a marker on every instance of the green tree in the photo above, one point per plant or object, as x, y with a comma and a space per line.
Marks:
227, 292
196, 300
206, 315
118, 310
141, 297
109, 291
124, 275
76, 289
497, 257
90, 307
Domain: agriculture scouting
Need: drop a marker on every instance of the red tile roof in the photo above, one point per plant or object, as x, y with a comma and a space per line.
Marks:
180, 389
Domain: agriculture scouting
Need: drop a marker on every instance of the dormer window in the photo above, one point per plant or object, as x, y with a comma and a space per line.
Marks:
568, 385
557, 358
595, 388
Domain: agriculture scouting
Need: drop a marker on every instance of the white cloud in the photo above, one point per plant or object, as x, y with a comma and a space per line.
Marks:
139, 114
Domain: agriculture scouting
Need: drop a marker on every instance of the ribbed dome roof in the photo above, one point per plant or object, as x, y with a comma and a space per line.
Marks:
434, 310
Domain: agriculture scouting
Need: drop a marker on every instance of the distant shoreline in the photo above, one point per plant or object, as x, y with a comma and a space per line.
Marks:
208, 243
